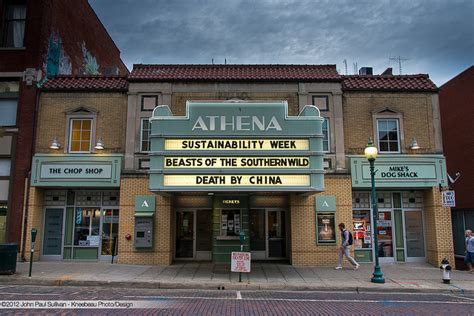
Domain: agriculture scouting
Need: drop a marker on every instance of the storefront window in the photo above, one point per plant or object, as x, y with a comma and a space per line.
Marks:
362, 229
87, 227
110, 221
3, 221
230, 222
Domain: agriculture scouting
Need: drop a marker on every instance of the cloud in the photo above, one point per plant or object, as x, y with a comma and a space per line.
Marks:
437, 37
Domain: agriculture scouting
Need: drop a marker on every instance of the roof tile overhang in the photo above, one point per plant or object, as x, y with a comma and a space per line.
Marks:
85, 83
206, 72
400, 83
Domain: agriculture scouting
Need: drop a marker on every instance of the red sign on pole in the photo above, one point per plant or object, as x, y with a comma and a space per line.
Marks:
240, 262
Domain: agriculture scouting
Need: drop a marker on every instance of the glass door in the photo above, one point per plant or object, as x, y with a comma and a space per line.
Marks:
276, 231
53, 233
110, 222
258, 243
204, 234
385, 235
185, 235
414, 236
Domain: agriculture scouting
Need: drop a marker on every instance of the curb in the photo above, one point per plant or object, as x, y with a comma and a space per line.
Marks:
227, 286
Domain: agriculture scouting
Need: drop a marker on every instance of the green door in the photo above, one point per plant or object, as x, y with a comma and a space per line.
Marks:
53, 232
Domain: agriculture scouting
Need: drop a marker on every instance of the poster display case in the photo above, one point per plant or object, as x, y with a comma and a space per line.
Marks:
326, 230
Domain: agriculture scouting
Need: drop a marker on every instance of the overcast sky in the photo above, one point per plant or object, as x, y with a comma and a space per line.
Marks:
436, 37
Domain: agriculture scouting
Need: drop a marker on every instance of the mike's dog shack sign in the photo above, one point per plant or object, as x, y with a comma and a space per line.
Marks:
236, 147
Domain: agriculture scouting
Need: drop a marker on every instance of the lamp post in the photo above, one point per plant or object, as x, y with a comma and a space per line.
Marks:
370, 153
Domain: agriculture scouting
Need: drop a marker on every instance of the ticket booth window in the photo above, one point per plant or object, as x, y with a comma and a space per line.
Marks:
230, 222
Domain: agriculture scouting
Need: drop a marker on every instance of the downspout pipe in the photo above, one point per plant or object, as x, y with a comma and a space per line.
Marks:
28, 180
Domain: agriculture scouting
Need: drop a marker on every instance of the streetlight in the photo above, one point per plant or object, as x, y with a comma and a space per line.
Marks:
370, 153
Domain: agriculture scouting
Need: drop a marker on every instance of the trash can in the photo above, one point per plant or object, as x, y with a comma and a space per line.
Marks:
8, 253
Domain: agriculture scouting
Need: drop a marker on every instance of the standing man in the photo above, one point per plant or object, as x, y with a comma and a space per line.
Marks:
469, 258
345, 247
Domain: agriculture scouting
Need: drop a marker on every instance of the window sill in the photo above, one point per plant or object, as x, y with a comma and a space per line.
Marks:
227, 238
12, 48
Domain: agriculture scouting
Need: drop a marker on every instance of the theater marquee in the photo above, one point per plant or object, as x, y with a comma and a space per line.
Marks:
236, 147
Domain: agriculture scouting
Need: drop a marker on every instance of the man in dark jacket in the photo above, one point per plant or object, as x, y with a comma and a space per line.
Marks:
345, 248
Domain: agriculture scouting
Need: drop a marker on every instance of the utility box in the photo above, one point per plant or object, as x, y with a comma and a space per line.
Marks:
143, 232
8, 253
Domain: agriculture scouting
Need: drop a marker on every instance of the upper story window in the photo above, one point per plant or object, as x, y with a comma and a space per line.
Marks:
321, 102
8, 112
14, 26
145, 135
149, 102
388, 133
326, 133
80, 135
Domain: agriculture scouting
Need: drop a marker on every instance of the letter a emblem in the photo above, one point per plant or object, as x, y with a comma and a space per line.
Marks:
145, 204
325, 203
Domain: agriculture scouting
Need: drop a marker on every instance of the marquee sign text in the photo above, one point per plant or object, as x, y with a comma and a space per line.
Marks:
236, 162
236, 180
236, 144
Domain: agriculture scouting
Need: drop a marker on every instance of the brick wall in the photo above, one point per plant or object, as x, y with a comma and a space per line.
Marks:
161, 253
110, 125
179, 99
457, 110
439, 235
35, 220
305, 250
417, 119
21, 160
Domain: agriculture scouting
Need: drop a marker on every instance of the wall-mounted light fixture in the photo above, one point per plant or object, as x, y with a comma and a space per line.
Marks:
414, 144
55, 144
100, 144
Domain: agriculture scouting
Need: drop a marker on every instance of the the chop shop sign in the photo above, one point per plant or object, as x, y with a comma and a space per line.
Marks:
75, 171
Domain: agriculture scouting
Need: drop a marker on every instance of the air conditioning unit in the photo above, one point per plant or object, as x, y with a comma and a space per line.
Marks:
366, 71
111, 71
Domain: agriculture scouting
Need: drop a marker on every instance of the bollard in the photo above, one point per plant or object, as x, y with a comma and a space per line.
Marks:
33, 240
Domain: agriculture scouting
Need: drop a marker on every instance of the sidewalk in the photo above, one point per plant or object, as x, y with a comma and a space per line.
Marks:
408, 277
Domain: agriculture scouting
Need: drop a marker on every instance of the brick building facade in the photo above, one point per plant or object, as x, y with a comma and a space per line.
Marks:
40, 39
457, 111
165, 211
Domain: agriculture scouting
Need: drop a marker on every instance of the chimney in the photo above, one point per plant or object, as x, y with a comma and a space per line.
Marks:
366, 71
388, 72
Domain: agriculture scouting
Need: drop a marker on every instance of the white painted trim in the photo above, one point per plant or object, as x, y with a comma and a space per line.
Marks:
397, 120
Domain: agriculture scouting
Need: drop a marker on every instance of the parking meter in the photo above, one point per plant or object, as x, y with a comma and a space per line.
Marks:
33, 237
242, 238
33, 240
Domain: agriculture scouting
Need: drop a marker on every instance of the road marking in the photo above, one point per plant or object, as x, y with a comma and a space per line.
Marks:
239, 296
295, 299
3, 293
464, 298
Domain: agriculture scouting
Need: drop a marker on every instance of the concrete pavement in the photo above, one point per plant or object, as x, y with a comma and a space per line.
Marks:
406, 277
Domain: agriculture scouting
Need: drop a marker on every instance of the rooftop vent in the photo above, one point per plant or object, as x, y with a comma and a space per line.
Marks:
366, 71
388, 72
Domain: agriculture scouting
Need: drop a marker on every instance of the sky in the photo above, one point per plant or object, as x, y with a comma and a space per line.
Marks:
430, 36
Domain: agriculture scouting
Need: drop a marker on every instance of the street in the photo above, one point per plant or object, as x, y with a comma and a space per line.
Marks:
227, 302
